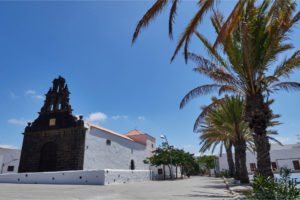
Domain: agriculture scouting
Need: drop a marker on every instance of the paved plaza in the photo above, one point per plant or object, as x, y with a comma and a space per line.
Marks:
193, 188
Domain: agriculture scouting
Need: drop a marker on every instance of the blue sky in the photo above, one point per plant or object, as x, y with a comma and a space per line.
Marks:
89, 43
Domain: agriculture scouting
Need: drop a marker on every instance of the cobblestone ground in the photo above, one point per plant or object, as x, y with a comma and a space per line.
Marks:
193, 188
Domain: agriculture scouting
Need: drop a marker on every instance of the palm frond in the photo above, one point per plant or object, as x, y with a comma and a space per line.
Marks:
172, 17
189, 30
201, 90
204, 112
229, 89
150, 14
288, 65
230, 24
275, 140
288, 86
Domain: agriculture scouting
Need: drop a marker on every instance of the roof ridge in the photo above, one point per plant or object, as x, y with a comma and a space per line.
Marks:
110, 131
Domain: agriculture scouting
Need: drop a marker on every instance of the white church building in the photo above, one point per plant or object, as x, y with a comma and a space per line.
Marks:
61, 148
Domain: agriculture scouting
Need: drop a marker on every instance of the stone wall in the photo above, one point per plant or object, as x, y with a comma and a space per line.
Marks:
69, 152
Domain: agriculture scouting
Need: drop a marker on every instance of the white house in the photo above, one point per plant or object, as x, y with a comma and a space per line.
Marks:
281, 156
9, 160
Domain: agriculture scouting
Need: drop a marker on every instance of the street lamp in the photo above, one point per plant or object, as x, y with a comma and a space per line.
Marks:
169, 148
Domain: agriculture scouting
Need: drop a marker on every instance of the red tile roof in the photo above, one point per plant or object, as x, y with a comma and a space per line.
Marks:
110, 131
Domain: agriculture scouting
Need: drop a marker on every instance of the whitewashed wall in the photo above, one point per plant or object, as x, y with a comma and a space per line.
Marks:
283, 157
113, 176
118, 155
9, 157
156, 176
93, 177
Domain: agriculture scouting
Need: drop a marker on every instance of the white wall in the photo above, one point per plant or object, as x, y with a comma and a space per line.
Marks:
118, 155
113, 176
9, 157
283, 157
94, 177
156, 176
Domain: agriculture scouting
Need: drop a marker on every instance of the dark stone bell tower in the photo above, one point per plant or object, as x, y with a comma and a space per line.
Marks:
55, 140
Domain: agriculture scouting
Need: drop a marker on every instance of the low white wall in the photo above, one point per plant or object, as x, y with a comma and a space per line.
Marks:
93, 177
113, 176
63, 177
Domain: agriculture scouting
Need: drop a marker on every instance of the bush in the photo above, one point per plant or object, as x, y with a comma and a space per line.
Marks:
283, 188
225, 173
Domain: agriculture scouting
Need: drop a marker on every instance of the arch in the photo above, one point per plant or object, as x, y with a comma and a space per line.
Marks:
132, 166
48, 157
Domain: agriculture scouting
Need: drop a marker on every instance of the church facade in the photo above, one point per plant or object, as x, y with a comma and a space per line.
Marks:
59, 141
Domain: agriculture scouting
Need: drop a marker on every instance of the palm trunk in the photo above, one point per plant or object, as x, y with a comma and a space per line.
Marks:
258, 114
236, 163
243, 173
230, 159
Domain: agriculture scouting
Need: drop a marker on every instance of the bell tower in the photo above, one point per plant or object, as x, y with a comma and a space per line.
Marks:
55, 140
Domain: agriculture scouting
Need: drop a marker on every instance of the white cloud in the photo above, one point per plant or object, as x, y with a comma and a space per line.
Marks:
8, 146
97, 117
142, 118
21, 121
33, 94
30, 92
116, 117
38, 96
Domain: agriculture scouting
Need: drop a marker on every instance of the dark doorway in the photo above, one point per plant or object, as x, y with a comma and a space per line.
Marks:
48, 157
132, 165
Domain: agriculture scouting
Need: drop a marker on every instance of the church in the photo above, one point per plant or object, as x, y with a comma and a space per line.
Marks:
57, 141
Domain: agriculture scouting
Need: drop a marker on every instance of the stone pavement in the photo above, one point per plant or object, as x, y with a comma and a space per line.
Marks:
193, 188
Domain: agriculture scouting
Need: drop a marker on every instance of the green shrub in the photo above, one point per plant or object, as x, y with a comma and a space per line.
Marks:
283, 188
225, 173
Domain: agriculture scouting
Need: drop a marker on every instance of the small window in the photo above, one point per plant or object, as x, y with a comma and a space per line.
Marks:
10, 168
296, 164
274, 165
132, 166
108, 142
52, 122
152, 146
160, 171
252, 167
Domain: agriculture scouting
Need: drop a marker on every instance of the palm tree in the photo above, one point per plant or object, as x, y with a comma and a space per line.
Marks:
226, 122
204, 7
251, 51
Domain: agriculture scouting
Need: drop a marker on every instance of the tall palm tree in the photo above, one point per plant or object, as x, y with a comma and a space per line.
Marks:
251, 51
204, 7
226, 122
